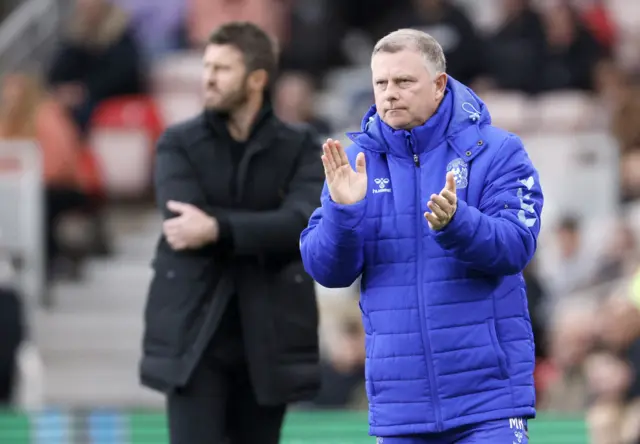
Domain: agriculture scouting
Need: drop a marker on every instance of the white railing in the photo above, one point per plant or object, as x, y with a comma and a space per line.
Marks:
22, 215
30, 27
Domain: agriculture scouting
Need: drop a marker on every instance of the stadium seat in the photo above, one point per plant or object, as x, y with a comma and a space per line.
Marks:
129, 112
123, 134
561, 111
625, 13
511, 111
576, 169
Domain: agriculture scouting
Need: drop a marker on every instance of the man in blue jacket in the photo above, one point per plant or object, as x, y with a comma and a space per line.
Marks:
439, 212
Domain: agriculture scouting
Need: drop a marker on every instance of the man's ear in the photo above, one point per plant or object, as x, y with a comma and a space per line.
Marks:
441, 85
258, 80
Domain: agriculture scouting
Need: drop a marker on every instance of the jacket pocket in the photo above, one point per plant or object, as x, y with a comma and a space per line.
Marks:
501, 357
296, 313
175, 305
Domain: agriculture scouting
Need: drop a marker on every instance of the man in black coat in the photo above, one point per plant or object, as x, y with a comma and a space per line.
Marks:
231, 317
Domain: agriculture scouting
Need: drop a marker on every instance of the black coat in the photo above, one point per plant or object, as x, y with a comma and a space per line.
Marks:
266, 205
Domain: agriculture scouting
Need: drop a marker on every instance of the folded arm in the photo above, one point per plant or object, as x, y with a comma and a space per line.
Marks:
174, 176
499, 237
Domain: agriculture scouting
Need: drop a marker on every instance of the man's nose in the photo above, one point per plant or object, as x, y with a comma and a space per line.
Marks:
391, 93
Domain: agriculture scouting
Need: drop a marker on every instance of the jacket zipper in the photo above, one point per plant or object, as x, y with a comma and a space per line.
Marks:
425, 335
256, 144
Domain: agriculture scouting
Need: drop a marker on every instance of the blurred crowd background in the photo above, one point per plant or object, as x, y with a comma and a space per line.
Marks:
94, 82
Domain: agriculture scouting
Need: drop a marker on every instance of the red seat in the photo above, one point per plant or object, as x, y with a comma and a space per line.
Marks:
123, 135
129, 112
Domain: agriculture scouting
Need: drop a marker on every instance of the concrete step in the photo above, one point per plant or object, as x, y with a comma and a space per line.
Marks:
106, 380
100, 272
139, 246
122, 298
82, 333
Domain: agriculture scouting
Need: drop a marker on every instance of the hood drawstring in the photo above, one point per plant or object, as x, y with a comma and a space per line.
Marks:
474, 114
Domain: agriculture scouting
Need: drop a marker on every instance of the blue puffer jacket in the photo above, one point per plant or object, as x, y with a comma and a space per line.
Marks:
448, 333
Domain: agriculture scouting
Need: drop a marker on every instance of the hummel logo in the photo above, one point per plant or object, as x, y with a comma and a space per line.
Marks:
382, 185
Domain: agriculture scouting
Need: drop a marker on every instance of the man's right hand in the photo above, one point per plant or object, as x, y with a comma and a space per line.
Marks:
346, 186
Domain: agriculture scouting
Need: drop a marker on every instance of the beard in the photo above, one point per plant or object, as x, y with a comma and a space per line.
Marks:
228, 101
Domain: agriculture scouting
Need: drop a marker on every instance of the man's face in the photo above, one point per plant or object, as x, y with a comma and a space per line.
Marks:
224, 78
91, 11
293, 98
406, 93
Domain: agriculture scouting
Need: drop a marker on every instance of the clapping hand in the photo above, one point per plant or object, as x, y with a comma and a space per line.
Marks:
346, 186
443, 206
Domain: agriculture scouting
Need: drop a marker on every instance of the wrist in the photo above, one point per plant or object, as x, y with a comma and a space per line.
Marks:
213, 229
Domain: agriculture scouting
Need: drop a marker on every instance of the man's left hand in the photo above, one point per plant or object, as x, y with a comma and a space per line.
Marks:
443, 206
191, 229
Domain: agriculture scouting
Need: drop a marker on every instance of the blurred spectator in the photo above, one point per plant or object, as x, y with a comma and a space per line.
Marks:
26, 112
574, 268
294, 94
157, 27
12, 333
203, 16
342, 339
625, 125
448, 24
614, 374
515, 52
620, 257
571, 337
572, 53
99, 59
595, 15
305, 51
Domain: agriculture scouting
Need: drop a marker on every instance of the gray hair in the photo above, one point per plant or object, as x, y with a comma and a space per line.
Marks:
416, 40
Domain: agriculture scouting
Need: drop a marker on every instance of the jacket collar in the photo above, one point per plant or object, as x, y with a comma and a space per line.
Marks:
216, 121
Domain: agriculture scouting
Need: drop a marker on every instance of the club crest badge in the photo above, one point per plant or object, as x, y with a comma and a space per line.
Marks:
460, 172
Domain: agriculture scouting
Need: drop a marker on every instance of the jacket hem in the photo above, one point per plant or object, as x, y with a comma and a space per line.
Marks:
431, 427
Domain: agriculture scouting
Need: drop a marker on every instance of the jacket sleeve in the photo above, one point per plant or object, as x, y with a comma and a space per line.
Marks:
277, 231
174, 176
332, 245
499, 237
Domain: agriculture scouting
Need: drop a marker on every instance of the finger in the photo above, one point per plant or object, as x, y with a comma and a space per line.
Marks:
336, 155
177, 207
344, 160
450, 184
329, 172
437, 211
329, 153
173, 241
432, 219
361, 164
171, 223
442, 203
450, 197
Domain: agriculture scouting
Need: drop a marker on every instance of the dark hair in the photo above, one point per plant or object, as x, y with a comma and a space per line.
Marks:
258, 49
570, 223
